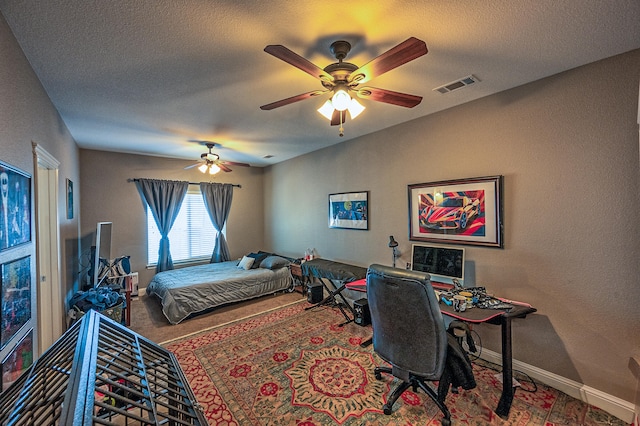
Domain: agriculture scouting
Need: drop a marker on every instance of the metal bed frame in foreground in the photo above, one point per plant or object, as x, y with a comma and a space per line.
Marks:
100, 372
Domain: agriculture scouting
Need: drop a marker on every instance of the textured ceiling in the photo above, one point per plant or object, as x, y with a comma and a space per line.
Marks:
151, 76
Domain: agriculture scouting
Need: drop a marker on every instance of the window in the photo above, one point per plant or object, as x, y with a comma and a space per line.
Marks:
192, 236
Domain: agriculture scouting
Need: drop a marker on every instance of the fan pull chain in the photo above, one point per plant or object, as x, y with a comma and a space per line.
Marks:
341, 123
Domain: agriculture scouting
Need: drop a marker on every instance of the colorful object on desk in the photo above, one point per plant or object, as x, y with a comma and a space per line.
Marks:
441, 286
359, 285
459, 303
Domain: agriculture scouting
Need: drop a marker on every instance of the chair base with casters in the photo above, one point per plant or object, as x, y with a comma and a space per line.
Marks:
414, 382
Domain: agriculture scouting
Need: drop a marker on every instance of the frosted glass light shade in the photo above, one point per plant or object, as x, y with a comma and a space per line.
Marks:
341, 100
355, 108
326, 109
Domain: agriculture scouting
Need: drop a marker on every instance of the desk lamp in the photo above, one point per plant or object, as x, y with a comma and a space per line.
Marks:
393, 244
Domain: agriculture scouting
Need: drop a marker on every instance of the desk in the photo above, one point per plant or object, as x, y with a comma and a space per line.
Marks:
503, 318
327, 270
477, 316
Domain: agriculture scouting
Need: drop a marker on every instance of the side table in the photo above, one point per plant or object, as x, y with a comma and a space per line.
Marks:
298, 278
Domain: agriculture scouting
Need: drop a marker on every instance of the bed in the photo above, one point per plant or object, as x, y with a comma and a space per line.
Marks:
187, 291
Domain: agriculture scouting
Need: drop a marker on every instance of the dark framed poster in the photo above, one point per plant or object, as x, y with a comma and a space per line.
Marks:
15, 311
461, 211
15, 207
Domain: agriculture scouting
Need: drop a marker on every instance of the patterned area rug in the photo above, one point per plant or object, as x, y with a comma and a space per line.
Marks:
296, 367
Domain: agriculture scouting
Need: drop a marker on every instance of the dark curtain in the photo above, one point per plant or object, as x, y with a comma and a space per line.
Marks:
164, 198
217, 199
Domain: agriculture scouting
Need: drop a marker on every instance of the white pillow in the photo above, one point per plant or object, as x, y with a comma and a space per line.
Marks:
246, 263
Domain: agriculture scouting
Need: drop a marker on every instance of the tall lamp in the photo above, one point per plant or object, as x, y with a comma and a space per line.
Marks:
393, 244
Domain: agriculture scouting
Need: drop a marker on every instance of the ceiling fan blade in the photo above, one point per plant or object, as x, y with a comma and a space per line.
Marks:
223, 167
390, 97
193, 165
233, 163
292, 58
292, 99
406, 51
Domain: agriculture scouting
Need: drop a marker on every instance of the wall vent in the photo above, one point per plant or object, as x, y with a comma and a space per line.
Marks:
457, 84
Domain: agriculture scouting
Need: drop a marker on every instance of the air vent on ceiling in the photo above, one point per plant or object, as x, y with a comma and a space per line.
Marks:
457, 84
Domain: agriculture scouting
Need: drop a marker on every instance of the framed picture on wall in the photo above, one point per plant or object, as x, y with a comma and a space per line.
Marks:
15, 207
18, 361
69, 199
463, 211
349, 210
15, 311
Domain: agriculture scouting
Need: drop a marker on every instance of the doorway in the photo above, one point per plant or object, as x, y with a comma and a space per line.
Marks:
50, 321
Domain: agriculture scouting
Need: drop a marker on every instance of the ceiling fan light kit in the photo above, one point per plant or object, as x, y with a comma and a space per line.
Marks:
354, 107
341, 78
212, 169
210, 162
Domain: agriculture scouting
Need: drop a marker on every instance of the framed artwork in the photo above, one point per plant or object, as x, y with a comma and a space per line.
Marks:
349, 210
15, 311
69, 199
463, 211
18, 361
15, 207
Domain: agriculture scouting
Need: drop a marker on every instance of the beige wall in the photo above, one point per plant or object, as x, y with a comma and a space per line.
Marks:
106, 195
27, 115
568, 149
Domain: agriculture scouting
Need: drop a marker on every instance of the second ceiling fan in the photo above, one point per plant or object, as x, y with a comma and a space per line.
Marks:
344, 78
211, 163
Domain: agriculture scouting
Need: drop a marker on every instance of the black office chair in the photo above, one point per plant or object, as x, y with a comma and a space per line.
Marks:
408, 331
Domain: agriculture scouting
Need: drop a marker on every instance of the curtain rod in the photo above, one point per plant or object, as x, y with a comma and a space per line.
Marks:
190, 183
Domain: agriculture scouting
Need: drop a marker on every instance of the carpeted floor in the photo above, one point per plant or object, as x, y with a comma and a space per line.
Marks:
294, 367
148, 320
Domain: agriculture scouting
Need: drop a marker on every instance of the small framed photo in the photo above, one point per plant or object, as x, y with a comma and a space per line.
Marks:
349, 210
69, 199
463, 211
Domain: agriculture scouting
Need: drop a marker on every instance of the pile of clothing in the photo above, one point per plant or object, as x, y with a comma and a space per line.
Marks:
99, 299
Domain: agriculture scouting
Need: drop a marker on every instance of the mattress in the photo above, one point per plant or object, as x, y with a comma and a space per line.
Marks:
194, 289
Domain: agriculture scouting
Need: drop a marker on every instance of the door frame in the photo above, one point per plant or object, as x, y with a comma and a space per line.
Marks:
50, 310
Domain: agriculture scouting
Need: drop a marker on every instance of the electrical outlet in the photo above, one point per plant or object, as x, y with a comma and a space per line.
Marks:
408, 266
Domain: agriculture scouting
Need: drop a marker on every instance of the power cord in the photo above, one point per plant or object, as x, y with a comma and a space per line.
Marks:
520, 376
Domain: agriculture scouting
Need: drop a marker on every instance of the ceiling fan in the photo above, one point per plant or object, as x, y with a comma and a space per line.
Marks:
343, 78
211, 162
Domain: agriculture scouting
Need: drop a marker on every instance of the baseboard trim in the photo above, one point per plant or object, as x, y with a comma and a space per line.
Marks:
620, 408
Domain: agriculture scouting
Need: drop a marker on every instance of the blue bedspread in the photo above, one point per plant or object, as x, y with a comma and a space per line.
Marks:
197, 288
